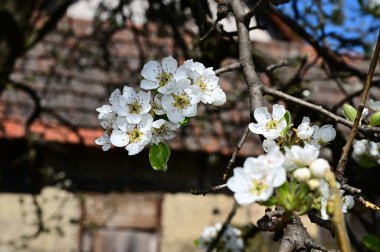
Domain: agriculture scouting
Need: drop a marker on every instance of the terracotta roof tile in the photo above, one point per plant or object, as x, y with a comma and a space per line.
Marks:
66, 74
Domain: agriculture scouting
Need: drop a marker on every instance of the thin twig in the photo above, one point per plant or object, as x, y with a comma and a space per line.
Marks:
252, 12
222, 12
339, 173
366, 203
273, 67
320, 109
206, 191
226, 223
228, 68
234, 155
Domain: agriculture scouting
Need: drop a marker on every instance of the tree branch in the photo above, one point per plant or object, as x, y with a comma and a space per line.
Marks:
226, 223
339, 173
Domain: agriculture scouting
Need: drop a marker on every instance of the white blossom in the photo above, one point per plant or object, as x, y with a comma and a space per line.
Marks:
104, 141
163, 130
322, 135
298, 157
375, 105
348, 202
219, 97
257, 180
302, 174
319, 168
360, 148
104, 111
162, 77
270, 145
304, 130
208, 82
106, 117
133, 105
231, 239
182, 102
270, 126
157, 106
133, 136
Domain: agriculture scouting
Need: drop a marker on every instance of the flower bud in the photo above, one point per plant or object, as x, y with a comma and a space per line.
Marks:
319, 167
349, 112
302, 174
375, 119
313, 184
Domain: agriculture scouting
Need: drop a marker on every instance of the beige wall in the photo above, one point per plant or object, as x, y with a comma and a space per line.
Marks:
183, 218
18, 220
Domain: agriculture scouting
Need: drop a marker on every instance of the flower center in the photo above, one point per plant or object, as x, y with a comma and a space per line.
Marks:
134, 108
258, 186
164, 78
156, 106
272, 124
201, 83
181, 101
160, 131
135, 135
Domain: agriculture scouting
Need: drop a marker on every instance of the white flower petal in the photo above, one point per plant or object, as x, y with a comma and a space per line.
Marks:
147, 84
129, 94
151, 70
278, 112
133, 118
181, 73
270, 145
169, 65
279, 177
375, 105
175, 116
256, 128
262, 115
167, 102
134, 148
219, 97
190, 111
119, 138
158, 123
327, 133
245, 198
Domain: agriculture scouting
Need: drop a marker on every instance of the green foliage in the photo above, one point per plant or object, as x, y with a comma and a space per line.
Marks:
371, 242
159, 156
375, 119
349, 112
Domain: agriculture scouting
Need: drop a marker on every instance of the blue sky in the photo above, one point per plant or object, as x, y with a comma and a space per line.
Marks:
355, 24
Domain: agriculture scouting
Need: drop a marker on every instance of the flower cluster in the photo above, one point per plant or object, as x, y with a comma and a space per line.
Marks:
258, 178
133, 119
230, 241
276, 127
366, 153
290, 174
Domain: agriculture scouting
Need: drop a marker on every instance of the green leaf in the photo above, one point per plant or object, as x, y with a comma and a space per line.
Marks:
371, 242
375, 119
349, 112
159, 156
287, 117
185, 122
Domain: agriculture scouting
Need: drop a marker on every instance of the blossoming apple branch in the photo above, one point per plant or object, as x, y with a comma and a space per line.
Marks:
291, 176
